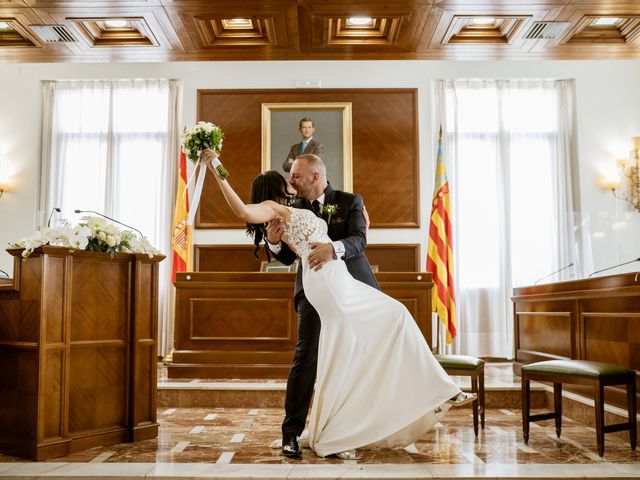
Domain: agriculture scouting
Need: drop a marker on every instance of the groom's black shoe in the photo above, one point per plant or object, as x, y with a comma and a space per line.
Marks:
290, 447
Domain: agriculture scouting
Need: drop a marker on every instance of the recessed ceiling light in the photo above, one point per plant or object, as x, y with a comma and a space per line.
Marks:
483, 21
605, 21
116, 23
237, 23
359, 21
5, 26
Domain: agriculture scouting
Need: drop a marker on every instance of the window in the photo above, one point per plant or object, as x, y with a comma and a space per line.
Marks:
506, 144
111, 146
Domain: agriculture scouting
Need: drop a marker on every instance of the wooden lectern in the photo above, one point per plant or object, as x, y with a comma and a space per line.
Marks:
78, 334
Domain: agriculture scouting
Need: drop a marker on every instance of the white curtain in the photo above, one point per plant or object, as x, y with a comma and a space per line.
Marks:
112, 146
508, 144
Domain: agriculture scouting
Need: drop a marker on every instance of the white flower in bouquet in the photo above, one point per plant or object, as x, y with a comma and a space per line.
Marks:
200, 137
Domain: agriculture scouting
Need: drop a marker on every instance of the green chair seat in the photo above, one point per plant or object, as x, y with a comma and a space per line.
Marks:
579, 368
459, 362
597, 374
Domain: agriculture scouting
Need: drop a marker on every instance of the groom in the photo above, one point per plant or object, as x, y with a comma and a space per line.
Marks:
348, 232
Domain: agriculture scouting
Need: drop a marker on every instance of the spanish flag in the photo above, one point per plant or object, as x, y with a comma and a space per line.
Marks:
181, 240
440, 250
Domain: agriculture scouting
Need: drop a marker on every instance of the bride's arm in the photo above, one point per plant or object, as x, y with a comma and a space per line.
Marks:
250, 213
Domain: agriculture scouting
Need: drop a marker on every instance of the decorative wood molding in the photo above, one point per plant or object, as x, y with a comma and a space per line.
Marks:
240, 258
96, 32
199, 30
504, 29
627, 31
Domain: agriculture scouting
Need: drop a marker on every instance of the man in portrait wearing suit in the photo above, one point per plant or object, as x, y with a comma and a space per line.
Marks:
348, 232
307, 145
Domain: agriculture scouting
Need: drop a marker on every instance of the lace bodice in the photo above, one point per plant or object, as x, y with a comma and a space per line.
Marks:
303, 228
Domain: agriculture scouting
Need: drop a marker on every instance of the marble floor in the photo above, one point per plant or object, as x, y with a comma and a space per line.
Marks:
234, 443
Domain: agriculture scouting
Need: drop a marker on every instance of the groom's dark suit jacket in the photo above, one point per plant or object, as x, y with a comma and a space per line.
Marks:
348, 226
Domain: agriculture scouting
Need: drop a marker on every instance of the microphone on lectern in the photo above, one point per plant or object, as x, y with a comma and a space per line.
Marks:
615, 266
54, 209
553, 273
112, 219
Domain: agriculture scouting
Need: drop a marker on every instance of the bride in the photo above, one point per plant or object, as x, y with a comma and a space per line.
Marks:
377, 384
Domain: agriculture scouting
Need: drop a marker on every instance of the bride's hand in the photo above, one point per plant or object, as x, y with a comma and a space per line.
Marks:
207, 156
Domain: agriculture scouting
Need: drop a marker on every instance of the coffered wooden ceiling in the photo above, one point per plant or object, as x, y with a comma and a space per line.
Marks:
201, 30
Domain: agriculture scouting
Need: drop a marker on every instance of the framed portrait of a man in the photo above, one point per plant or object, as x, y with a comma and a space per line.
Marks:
323, 128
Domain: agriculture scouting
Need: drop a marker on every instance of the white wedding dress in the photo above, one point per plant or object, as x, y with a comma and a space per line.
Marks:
378, 385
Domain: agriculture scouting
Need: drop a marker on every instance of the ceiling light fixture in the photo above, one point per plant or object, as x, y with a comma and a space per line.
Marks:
237, 23
483, 21
359, 21
605, 22
116, 23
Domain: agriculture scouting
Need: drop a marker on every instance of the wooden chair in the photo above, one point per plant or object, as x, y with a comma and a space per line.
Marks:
473, 367
583, 372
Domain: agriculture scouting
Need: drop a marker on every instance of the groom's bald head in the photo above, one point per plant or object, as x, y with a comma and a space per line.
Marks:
308, 176
314, 164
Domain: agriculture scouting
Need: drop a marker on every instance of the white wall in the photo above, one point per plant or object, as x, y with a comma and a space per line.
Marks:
608, 110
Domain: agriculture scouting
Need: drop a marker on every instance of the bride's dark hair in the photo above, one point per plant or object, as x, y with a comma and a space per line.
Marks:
270, 185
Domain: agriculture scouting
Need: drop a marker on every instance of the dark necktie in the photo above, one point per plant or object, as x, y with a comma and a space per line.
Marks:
317, 208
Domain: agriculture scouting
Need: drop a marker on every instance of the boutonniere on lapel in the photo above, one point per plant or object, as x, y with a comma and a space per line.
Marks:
330, 209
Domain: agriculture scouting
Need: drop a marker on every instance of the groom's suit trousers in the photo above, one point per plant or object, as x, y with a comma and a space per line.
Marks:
302, 375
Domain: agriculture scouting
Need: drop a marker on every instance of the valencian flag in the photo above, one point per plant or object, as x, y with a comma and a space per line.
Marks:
440, 250
181, 239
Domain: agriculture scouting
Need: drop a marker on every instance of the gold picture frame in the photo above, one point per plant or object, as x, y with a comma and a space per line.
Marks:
276, 266
331, 119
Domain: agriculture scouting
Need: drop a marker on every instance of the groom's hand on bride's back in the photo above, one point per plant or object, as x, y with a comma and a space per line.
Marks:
320, 254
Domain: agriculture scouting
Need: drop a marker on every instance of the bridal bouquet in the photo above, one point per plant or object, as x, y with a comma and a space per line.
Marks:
94, 234
202, 136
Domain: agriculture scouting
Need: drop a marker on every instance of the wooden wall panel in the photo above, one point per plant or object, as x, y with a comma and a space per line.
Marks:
239, 258
53, 300
99, 313
53, 388
395, 257
97, 388
385, 148
226, 258
548, 332
18, 391
255, 319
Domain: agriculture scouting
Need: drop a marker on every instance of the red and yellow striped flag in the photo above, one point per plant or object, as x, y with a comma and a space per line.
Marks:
440, 250
181, 240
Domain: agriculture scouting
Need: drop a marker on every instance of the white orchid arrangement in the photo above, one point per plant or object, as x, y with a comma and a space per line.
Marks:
94, 234
200, 137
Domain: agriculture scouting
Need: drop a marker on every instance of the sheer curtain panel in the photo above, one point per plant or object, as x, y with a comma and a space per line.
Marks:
509, 147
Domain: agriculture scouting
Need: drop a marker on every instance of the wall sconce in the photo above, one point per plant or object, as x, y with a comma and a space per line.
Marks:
629, 168
5, 186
